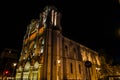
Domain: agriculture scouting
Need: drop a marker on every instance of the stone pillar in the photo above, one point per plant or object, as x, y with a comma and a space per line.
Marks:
22, 70
58, 69
16, 74
31, 75
40, 71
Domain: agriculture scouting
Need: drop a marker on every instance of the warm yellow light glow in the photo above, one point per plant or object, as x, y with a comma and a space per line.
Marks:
41, 30
98, 61
14, 64
27, 66
31, 44
52, 16
58, 61
55, 20
33, 36
33, 31
97, 68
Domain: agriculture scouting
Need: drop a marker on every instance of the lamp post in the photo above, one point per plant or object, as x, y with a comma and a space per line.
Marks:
58, 69
14, 65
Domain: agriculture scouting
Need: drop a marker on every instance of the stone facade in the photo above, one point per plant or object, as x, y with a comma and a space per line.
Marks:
48, 55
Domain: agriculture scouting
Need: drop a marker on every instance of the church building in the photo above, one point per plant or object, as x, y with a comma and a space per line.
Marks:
48, 55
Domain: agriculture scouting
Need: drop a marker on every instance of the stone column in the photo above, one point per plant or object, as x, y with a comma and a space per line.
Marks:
31, 74
22, 70
16, 74
58, 69
39, 71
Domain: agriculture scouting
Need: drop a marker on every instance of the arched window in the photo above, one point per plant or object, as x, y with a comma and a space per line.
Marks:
27, 66
75, 53
66, 50
97, 60
79, 68
20, 68
36, 65
71, 68
42, 45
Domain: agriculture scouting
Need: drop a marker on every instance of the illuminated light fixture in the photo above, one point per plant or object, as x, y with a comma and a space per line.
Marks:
6, 72
58, 61
52, 16
97, 68
55, 19
14, 64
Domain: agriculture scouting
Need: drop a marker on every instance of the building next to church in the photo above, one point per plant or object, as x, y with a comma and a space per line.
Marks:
48, 55
8, 62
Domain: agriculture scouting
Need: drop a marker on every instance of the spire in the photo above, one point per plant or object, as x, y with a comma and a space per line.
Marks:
51, 17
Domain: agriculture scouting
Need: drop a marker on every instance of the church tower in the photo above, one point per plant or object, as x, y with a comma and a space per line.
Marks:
41, 51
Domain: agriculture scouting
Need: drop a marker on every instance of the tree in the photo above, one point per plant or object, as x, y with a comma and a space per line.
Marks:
106, 68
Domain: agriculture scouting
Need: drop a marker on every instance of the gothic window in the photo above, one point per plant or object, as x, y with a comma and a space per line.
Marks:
79, 68
72, 53
20, 68
36, 65
33, 54
42, 41
42, 46
41, 51
27, 66
66, 50
74, 50
34, 46
83, 53
93, 59
89, 56
71, 68
75, 53
98, 62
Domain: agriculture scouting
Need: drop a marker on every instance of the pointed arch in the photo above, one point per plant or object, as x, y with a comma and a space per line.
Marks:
36, 65
20, 68
66, 50
27, 66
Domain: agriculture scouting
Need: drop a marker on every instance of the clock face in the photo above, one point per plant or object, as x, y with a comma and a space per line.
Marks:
88, 64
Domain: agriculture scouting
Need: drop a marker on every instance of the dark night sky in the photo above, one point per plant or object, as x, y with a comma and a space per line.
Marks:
94, 24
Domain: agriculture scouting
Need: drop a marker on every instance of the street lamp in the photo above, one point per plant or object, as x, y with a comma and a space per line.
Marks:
58, 69
58, 61
14, 65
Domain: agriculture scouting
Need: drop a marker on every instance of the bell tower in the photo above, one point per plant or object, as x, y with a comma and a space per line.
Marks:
53, 50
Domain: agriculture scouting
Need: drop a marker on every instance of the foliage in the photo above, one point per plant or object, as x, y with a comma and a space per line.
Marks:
106, 69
